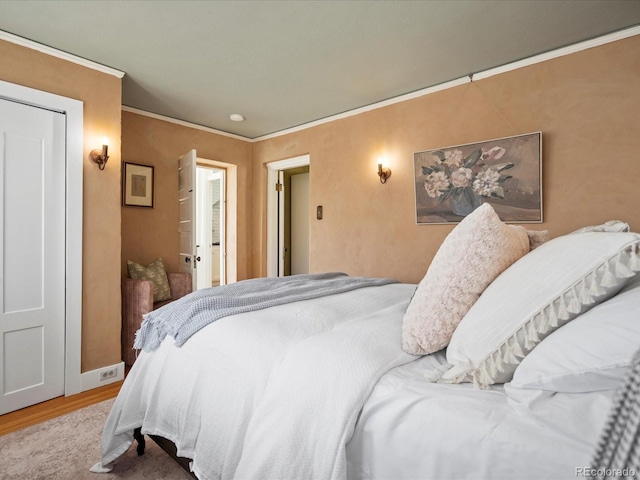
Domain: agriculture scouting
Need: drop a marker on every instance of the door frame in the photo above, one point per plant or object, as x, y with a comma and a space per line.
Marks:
230, 209
204, 216
73, 111
272, 207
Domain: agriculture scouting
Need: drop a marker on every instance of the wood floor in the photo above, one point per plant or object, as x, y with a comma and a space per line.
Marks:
44, 411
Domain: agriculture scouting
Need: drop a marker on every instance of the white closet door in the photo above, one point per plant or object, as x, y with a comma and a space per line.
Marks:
32, 255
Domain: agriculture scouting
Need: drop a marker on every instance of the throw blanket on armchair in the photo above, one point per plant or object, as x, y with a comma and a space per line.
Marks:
618, 453
187, 315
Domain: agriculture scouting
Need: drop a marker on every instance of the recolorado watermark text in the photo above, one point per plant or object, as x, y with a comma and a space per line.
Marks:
592, 472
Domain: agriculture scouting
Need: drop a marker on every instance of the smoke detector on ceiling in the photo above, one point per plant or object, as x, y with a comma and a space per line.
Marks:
236, 117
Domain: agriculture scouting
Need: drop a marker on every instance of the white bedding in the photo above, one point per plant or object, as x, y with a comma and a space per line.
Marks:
256, 396
413, 429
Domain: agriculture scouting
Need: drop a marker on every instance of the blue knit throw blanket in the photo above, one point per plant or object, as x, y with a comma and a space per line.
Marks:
185, 316
618, 452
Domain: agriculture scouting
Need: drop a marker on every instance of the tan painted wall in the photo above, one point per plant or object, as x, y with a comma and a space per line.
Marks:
102, 97
151, 233
586, 104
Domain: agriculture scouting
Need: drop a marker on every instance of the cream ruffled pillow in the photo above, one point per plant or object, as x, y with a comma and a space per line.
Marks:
472, 255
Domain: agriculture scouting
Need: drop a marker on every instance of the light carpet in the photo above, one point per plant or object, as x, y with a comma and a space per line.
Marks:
65, 448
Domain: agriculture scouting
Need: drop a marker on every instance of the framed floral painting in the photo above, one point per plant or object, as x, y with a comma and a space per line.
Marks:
452, 182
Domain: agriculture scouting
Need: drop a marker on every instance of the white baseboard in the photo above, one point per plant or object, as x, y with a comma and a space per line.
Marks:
94, 378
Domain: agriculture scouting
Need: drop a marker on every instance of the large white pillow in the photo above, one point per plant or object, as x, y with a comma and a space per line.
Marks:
610, 226
473, 254
592, 353
545, 289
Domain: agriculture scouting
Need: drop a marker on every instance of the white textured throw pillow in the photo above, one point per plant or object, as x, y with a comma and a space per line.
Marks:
473, 254
545, 289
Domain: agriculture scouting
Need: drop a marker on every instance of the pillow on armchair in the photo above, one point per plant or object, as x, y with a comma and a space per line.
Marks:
139, 298
156, 274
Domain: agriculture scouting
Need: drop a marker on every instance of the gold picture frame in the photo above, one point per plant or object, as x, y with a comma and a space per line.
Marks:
506, 172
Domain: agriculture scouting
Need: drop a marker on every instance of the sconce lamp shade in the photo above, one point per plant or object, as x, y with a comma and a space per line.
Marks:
384, 173
100, 157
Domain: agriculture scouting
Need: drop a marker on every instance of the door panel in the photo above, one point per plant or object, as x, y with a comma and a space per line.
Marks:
299, 223
32, 255
187, 218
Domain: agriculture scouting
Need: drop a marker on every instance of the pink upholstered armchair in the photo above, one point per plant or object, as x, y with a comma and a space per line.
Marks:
137, 299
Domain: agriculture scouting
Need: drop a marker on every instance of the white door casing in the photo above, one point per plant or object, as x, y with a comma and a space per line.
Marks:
282, 252
210, 267
223, 227
32, 255
229, 218
187, 214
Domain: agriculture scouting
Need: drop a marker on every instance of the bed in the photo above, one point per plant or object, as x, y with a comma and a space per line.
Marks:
324, 388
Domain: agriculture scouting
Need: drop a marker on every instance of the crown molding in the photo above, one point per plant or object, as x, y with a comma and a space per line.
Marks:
543, 57
367, 108
560, 52
595, 42
195, 126
54, 52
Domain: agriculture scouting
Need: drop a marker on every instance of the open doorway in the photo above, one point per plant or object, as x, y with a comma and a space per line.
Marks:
211, 226
277, 195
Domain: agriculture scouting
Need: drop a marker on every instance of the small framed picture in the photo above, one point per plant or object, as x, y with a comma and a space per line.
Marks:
137, 185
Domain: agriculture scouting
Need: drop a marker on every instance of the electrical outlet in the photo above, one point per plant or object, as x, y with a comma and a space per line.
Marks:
104, 375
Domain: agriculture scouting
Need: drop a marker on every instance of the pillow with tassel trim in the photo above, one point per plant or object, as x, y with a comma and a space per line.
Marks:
542, 291
592, 353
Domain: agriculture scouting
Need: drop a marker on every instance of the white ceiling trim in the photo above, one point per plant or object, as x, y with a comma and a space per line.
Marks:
595, 42
195, 126
54, 52
543, 57
368, 108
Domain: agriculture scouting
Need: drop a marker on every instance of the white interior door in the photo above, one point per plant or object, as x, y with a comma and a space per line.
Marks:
32, 255
187, 219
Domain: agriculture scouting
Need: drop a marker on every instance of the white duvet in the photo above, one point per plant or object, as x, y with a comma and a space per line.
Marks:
412, 429
300, 392
271, 394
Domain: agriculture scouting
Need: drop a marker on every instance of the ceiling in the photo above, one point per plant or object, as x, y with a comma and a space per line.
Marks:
286, 63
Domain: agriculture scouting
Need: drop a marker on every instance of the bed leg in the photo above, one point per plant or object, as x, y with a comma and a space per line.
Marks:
137, 434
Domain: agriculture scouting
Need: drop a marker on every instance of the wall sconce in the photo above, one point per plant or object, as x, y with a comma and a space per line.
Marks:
100, 157
384, 173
